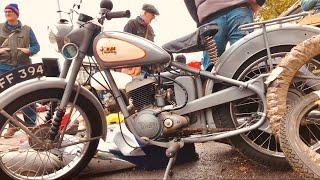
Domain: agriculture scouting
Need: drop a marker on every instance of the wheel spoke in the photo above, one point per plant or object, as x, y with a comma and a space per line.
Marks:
246, 110
266, 140
316, 146
248, 103
31, 160
311, 133
258, 136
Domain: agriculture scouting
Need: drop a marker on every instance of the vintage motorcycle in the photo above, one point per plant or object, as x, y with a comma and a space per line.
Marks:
297, 127
226, 102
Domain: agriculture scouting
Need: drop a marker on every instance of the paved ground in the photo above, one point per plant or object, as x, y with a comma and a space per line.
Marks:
217, 161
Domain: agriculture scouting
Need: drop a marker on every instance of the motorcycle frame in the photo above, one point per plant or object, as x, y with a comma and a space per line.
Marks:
203, 103
239, 89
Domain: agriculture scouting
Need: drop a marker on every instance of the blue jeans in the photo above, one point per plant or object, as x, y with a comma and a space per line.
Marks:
29, 113
228, 23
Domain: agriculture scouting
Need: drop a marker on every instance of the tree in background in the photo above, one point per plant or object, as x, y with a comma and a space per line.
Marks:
273, 8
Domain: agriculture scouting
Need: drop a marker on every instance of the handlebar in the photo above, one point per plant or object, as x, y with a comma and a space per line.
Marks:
118, 14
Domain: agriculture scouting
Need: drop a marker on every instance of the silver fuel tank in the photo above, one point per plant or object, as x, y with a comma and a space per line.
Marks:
119, 49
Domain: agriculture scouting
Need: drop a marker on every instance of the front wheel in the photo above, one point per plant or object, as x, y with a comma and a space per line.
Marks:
24, 158
300, 136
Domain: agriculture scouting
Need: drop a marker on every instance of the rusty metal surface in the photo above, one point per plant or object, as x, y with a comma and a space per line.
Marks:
191, 131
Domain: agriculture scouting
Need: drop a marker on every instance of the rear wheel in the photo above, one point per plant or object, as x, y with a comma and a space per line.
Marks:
260, 144
24, 158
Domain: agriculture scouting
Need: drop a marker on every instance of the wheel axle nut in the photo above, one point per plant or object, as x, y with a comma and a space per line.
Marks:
168, 123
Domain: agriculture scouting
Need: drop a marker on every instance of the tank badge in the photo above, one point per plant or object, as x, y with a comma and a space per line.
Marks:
108, 50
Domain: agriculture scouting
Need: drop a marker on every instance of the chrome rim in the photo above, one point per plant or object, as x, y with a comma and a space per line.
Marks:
244, 111
21, 157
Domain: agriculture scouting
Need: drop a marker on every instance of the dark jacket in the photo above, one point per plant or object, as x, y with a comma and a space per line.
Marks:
18, 36
139, 28
201, 9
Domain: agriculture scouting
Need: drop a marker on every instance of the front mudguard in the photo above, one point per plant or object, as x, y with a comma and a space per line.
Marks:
252, 44
28, 86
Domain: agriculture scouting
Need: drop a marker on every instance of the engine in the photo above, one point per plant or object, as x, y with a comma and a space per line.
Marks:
149, 99
142, 92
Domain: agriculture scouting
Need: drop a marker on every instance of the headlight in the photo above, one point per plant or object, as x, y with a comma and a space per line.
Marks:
70, 51
57, 34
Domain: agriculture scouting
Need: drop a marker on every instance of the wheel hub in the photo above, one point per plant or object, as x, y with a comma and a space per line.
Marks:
42, 132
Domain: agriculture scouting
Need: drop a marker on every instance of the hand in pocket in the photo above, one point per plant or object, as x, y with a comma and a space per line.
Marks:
3, 50
24, 50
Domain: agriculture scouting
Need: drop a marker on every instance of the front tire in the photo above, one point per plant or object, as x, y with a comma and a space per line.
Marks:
298, 147
76, 160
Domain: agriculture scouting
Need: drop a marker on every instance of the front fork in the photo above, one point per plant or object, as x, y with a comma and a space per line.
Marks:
54, 105
75, 67
73, 72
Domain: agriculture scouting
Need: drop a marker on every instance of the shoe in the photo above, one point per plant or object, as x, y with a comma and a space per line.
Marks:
73, 130
10, 132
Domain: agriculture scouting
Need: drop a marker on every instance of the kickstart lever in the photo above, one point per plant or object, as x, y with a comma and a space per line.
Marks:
172, 150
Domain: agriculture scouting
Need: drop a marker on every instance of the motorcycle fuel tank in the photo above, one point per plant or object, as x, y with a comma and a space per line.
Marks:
119, 49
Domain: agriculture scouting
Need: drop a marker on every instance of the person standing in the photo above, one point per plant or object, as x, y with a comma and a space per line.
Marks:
228, 15
308, 5
155, 157
141, 27
17, 43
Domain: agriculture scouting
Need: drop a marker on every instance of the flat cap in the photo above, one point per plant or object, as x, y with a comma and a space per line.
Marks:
150, 9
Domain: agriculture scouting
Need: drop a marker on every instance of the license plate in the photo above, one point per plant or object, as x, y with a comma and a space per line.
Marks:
21, 74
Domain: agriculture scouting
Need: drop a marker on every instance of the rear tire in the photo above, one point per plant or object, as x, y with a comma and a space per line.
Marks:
224, 118
273, 156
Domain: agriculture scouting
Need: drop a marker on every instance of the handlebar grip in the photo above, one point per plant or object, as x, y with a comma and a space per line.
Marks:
118, 14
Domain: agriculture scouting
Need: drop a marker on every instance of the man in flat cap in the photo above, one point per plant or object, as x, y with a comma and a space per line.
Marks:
141, 27
154, 156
